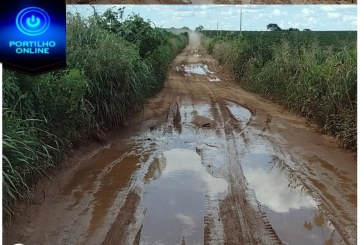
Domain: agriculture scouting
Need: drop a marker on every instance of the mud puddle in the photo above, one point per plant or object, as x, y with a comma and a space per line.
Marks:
182, 187
104, 180
194, 53
113, 182
239, 112
175, 198
182, 170
293, 214
198, 69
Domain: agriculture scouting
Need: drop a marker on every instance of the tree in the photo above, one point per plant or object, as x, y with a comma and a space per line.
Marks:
140, 32
199, 28
273, 27
306, 30
293, 29
110, 19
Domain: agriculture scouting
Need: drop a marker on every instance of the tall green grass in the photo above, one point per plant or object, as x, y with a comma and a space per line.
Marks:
112, 70
317, 80
25, 156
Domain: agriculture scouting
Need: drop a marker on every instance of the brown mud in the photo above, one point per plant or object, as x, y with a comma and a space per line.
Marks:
205, 162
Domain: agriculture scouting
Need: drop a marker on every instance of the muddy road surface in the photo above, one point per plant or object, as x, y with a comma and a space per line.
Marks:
205, 162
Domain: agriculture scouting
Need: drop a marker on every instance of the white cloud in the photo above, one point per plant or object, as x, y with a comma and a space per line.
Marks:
262, 15
184, 13
311, 20
337, 7
284, 198
186, 220
206, 7
278, 12
255, 17
349, 19
230, 12
307, 12
294, 24
201, 13
328, 8
252, 10
333, 15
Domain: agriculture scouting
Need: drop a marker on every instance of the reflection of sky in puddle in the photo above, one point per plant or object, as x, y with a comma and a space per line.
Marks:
204, 110
175, 201
292, 213
271, 186
182, 162
239, 112
199, 69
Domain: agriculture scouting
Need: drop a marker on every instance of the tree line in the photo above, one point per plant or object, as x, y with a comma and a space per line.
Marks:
275, 27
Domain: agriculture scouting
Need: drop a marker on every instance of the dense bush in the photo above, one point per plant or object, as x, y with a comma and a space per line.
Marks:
314, 77
113, 66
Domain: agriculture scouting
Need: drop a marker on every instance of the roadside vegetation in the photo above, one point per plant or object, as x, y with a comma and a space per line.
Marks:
312, 73
114, 65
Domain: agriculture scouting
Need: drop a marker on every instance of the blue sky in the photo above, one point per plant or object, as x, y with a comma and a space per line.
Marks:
255, 17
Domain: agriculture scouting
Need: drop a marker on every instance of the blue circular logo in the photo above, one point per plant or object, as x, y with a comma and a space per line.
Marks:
33, 21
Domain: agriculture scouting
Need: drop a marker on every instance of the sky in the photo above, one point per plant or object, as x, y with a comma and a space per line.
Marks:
254, 17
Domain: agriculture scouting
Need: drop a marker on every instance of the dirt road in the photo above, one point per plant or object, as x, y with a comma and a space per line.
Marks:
204, 163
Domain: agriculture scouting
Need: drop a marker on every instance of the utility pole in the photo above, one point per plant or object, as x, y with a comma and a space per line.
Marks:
217, 27
241, 16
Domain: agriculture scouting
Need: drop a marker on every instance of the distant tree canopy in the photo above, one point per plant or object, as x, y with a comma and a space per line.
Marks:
199, 28
293, 29
273, 27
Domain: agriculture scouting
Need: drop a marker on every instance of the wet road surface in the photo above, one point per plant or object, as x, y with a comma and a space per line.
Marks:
204, 163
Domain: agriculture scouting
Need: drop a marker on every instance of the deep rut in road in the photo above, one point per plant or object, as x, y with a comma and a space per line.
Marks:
204, 163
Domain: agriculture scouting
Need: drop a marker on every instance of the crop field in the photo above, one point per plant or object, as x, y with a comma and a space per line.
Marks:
311, 72
324, 38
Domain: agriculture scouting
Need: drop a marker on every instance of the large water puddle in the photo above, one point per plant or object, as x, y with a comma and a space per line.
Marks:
294, 215
198, 69
240, 113
175, 200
